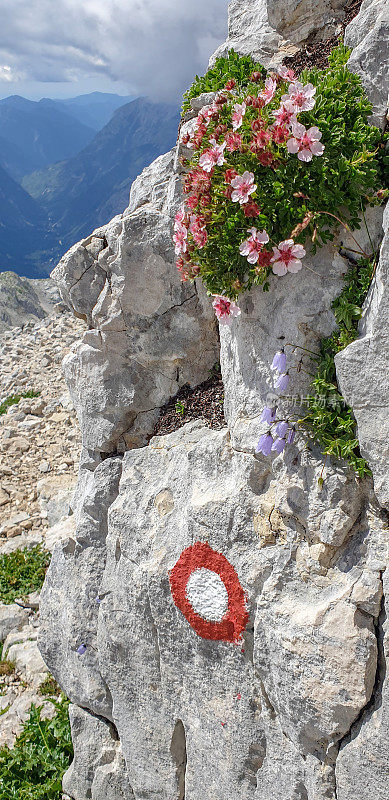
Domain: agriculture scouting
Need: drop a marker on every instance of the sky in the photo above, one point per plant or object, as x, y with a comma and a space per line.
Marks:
63, 48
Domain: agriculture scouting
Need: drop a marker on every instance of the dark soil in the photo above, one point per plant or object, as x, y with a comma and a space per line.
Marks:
205, 402
315, 53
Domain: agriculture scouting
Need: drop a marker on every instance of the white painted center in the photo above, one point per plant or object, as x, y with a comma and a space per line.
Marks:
207, 594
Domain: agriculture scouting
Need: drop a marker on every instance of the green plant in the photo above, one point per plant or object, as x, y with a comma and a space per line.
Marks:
22, 572
7, 667
180, 408
295, 194
49, 687
232, 67
34, 768
329, 421
13, 399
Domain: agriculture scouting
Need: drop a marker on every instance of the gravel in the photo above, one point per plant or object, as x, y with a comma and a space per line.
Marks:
205, 402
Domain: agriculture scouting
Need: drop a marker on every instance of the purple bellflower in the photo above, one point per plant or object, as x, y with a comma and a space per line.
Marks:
282, 382
279, 361
265, 444
282, 429
279, 445
268, 414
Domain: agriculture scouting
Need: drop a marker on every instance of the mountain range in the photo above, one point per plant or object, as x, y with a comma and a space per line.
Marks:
23, 227
87, 190
61, 177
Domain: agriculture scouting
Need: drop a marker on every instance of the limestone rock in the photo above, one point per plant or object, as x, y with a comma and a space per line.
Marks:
55, 496
49, 429
80, 279
151, 334
296, 20
70, 598
362, 764
368, 35
25, 299
300, 648
362, 373
98, 770
64, 529
19, 542
12, 617
272, 713
250, 33
11, 723
20, 647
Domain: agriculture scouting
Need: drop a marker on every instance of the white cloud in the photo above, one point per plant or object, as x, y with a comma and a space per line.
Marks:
8, 75
152, 46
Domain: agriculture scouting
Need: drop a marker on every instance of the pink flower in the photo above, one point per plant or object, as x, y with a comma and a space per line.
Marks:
261, 140
280, 133
234, 142
192, 202
269, 91
299, 97
284, 116
251, 209
252, 246
212, 157
305, 142
198, 231
243, 186
179, 218
287, 257
180, 239
286, 74
237, 117
200, 236
213, 111
225, 309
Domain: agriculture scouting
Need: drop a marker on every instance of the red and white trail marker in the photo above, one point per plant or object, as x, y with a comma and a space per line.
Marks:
206, 589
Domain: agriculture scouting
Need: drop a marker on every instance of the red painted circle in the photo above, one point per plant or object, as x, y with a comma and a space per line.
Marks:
232, 625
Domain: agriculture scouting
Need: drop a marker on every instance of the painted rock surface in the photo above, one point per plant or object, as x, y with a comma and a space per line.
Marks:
218, 620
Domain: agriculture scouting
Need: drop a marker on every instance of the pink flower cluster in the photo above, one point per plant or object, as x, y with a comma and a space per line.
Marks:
245, 126
184, 224
285, 258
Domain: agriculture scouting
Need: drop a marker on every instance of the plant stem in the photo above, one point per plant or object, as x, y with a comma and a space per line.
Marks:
347, 227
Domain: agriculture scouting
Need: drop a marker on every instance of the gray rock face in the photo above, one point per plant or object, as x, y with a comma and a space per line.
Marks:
168, 701
362, 765
98, 770
25, 299
75, 574
250, 33
368, 35
12, 617
307, 663
362, 372
269, 30
296, 19
150, 334
294, 313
